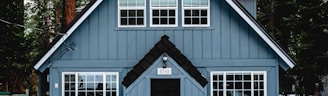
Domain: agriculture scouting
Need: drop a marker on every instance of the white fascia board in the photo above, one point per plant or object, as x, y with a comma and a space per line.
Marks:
261, 34
67, 34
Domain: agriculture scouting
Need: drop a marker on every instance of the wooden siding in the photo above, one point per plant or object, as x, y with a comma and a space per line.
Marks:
229, 37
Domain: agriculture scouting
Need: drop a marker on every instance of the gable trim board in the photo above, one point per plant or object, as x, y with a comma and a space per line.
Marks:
67, 33
233, 3
260, 30
163, 46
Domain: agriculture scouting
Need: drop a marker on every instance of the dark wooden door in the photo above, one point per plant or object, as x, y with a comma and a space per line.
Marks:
165, 87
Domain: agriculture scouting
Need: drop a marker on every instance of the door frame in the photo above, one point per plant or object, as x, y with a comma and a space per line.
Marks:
180, 77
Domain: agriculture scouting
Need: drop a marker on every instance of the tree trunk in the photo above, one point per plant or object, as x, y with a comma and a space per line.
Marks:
69, 11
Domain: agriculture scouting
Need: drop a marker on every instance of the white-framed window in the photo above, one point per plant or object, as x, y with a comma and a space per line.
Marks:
238, 83
195, 13
163, 13
90, 84
131, 13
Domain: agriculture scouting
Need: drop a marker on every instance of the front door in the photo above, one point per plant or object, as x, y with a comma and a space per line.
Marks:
165, 87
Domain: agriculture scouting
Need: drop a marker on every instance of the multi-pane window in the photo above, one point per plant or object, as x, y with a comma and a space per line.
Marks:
163, 13
238, 83
196, 13
90, 84
131, 13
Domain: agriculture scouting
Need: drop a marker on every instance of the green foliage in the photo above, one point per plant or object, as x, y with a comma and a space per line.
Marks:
301, 27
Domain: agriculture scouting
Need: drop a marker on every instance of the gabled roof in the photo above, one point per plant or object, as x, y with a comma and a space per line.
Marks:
68, 31
163, 46
249, 19
260, 30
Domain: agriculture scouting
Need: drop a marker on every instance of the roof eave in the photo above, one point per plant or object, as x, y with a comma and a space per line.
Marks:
260, 30
66, 35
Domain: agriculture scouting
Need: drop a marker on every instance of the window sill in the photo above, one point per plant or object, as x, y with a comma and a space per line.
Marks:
160, 28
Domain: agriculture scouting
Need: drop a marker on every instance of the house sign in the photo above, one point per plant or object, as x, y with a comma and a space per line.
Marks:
164, 71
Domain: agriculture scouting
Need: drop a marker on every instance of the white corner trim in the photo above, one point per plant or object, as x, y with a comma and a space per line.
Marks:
261, 34
67, 34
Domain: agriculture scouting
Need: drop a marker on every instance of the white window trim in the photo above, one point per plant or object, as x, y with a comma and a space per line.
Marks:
252, 82
176, 15
76, 80
196, 7
130, 8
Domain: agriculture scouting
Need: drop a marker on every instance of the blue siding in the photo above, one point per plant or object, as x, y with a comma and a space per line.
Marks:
229, 44
229, 37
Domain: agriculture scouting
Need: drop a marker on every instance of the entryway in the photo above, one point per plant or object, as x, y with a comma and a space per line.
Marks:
165, 87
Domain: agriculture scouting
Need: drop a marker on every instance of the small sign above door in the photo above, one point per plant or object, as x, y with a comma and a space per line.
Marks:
164, 71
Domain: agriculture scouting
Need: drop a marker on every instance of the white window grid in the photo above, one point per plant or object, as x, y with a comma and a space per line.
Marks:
168, 7
198, 6
113, 83
254, 81
136, 6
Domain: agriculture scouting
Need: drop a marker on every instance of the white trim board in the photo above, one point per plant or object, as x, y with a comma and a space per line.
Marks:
276, 48
67, 34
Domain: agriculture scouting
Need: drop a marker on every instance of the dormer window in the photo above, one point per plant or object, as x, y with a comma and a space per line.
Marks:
163, 13
131, 13
195, 13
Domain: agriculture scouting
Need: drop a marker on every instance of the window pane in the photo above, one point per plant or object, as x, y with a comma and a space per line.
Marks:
247, 77
203, 12
155, 20
230, 85
132, 21
140, 13
131, 3
124, 21
203, 20
172, 21
247, 85
163, 12
195, 12
99, 78
195, 21
124, 13
154, 3
140, 3
220, 85
163, 20
215, 93
195, 2
187, 2
172, 3
163, 3
204, 2
187, 12
123, 3
187, 20
140, 21
132, 13
215, 85
238, 85
171, 12
229, 77
155, 12
215, 77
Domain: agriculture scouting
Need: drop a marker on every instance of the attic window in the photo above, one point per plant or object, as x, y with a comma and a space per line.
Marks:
163, 13
196, 13
131, 13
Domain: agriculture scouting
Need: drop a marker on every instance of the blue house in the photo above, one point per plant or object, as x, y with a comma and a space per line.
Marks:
164, 48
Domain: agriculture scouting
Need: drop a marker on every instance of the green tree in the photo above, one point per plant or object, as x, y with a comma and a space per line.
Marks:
13, 62
301, 27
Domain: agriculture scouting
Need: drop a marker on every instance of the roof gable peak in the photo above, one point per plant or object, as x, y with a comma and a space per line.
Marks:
163, 46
